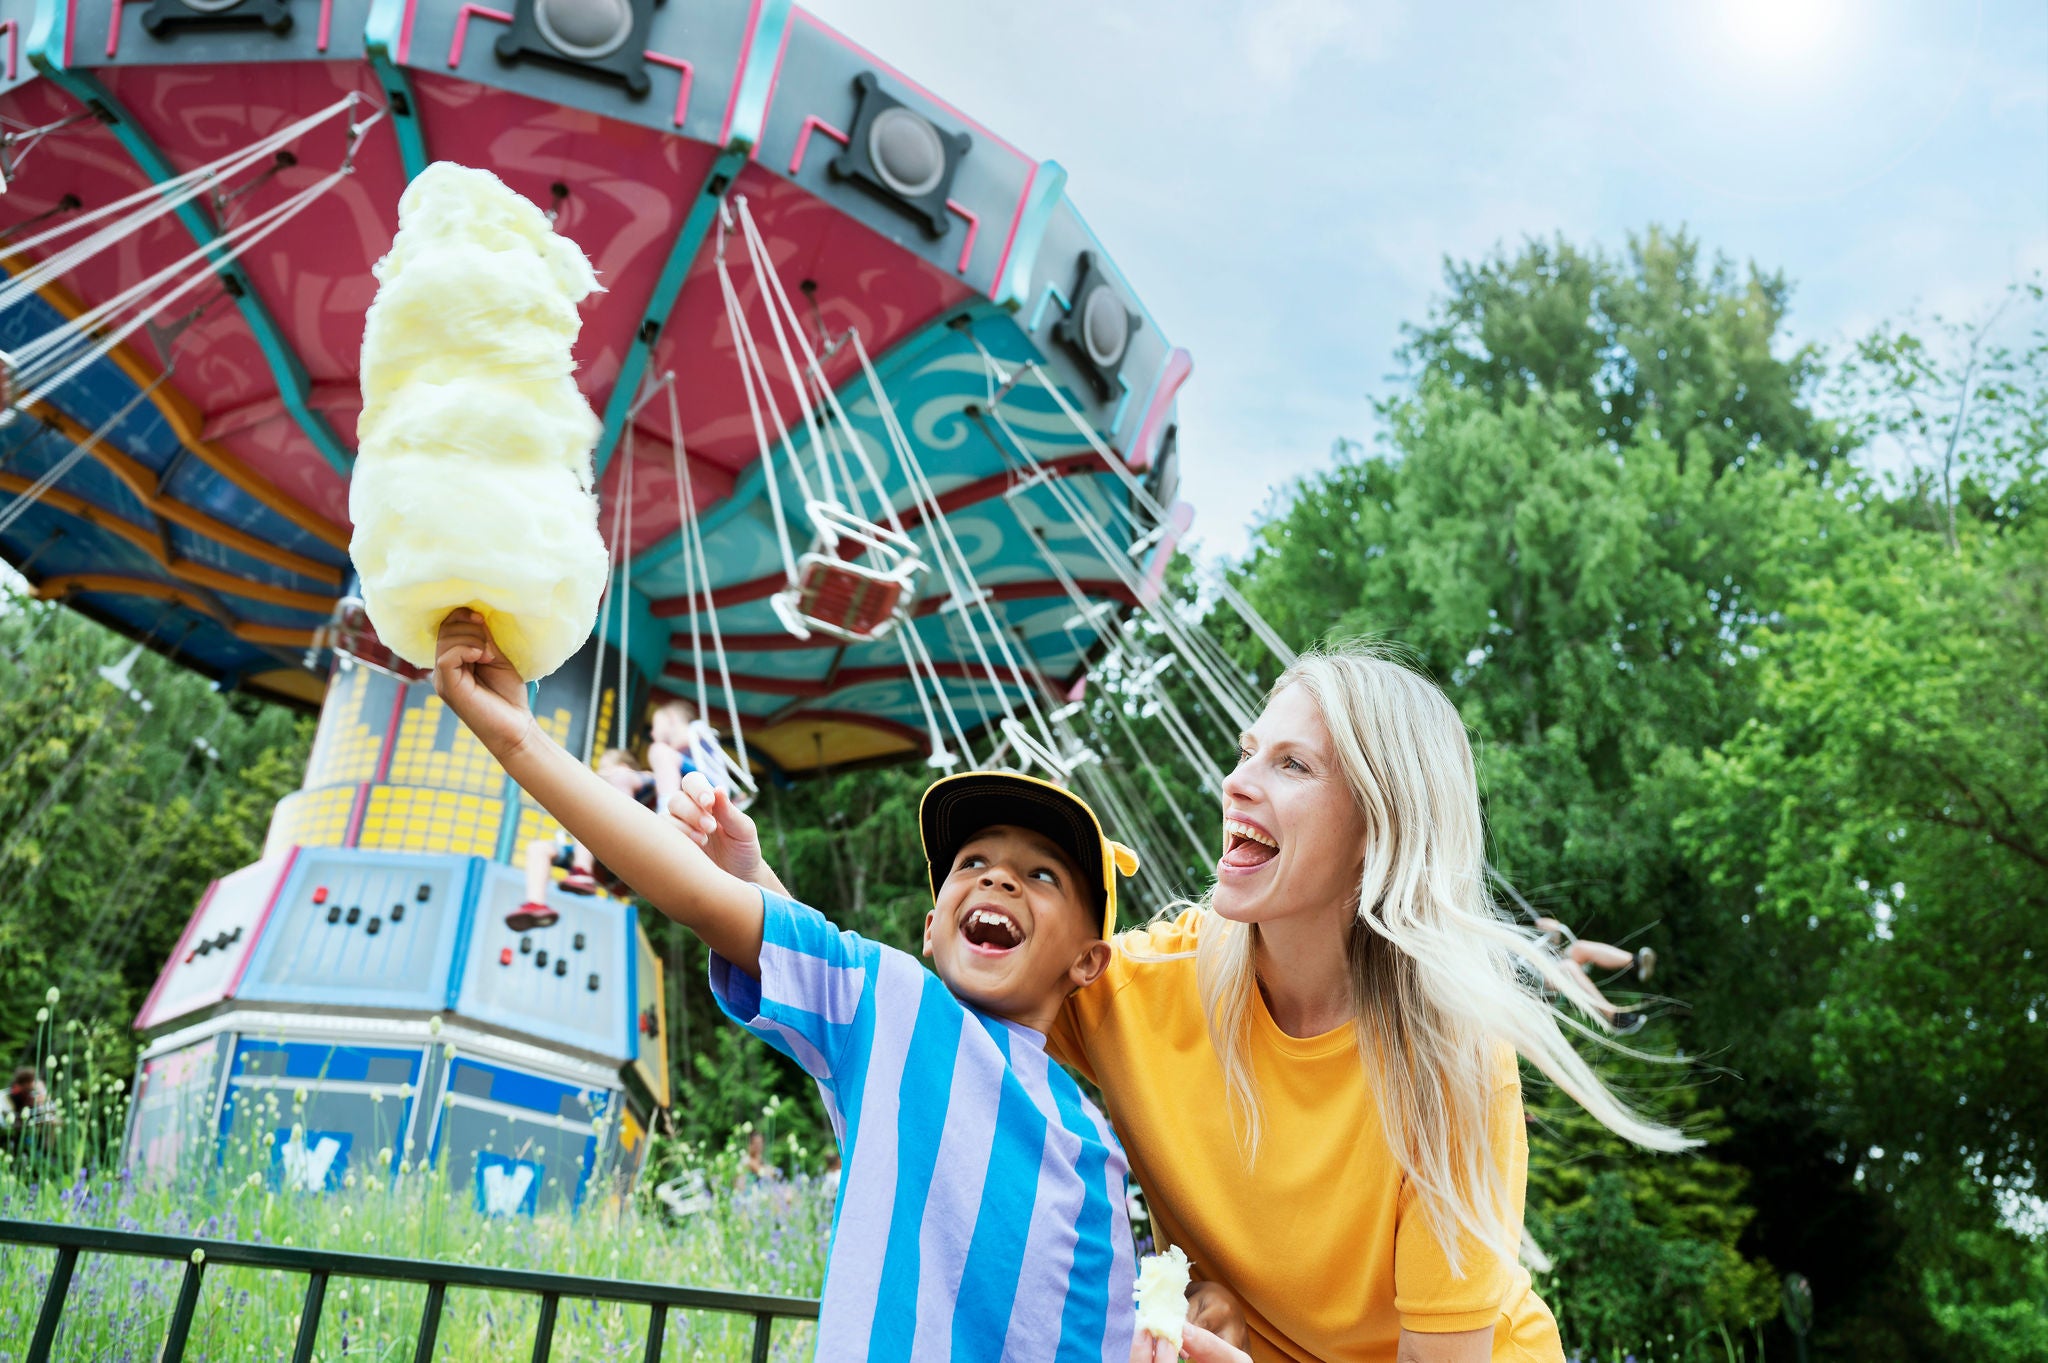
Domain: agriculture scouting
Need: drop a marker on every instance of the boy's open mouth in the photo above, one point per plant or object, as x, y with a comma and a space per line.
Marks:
1246, 846
991, 930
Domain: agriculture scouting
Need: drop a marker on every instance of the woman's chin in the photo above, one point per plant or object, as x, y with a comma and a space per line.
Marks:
1240, 903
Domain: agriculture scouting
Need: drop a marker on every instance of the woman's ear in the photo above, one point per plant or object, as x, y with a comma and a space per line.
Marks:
1088, 967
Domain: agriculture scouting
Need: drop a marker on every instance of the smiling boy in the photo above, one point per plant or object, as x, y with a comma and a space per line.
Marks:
981, 1214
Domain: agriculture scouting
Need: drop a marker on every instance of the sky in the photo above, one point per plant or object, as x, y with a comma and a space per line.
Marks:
1282, 180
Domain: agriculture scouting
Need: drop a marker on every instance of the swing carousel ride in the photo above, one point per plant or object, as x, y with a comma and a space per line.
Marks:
887, 470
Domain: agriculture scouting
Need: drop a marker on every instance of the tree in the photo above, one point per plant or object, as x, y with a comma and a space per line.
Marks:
116, 817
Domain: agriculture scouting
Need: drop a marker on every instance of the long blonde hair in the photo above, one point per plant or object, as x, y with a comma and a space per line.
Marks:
1440, 980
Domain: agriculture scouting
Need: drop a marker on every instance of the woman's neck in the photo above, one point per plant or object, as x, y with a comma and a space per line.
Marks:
1305, 975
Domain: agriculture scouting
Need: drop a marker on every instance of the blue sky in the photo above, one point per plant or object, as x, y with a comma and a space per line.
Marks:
1281, 179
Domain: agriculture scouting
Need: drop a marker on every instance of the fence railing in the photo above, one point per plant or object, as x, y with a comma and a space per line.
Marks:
321, 1265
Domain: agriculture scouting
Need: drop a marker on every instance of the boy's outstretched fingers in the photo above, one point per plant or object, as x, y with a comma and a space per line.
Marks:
694, 806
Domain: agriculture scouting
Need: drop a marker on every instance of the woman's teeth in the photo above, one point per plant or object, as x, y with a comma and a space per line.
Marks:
1245, 846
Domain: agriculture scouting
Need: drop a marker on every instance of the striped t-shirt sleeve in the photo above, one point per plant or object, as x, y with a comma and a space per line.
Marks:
814, 978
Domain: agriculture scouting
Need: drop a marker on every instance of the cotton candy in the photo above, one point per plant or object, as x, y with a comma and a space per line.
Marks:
473, 482
1162, 1295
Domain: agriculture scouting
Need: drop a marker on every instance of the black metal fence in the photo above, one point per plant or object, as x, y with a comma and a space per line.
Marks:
320, 1265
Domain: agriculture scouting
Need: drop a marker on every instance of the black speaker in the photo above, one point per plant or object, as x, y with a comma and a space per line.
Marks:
1098, 328
900, 155
603, 38
164, 18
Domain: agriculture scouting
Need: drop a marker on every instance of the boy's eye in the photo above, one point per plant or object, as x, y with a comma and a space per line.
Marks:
973, 861
1047, 874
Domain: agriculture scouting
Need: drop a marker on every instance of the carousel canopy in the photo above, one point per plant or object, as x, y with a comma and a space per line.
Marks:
888, 440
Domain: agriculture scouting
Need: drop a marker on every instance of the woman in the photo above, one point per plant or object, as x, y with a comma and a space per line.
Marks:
1313, 1071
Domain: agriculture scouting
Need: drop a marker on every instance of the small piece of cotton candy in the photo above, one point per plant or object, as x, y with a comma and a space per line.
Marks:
1162, 1295
472, 482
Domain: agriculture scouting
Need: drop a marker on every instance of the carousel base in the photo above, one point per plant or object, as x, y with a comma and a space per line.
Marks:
333, 1011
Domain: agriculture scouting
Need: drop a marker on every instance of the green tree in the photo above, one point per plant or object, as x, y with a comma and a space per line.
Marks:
116, 816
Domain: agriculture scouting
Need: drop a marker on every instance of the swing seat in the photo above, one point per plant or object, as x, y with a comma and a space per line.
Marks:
844, 600
856, 603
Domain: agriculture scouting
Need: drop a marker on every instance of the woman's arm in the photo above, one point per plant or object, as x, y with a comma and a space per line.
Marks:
1466, 1346
648, 852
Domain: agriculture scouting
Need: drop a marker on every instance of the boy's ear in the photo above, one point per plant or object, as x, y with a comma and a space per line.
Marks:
928, 930
1088, 967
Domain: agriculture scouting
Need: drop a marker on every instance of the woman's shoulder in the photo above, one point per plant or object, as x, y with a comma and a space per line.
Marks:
1170, 936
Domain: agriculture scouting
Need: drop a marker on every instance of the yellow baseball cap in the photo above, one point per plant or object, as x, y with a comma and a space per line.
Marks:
956, 808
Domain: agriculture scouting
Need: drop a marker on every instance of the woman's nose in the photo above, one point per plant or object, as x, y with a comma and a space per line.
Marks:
1239, 787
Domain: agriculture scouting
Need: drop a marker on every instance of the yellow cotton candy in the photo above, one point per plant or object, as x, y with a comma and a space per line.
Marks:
1162, 1295
472, 482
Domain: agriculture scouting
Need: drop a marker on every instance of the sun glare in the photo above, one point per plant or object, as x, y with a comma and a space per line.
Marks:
1783, 32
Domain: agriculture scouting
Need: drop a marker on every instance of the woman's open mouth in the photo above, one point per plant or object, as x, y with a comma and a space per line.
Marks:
1246, 846
991, 931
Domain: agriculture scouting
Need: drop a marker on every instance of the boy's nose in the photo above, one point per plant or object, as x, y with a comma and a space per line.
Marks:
999, 875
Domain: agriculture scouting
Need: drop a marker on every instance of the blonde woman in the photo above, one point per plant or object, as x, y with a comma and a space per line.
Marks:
1313, 1071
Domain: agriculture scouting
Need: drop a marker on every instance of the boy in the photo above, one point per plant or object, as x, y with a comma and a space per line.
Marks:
982, 1213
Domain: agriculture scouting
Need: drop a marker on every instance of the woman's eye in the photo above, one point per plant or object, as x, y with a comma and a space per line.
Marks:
1242, 754
1294, 764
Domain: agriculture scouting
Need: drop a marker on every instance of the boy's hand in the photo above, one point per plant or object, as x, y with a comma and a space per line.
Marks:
725, 832
1217, 1310
474, 680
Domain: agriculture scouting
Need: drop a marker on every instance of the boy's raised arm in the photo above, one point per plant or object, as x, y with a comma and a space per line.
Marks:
652, 854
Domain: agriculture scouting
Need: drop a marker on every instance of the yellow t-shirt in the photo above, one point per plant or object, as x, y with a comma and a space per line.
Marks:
1321, 1236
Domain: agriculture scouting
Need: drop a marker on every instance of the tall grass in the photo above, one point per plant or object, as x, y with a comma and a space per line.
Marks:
764, 1236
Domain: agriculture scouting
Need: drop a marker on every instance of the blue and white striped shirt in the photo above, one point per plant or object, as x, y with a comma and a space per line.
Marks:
981, 1216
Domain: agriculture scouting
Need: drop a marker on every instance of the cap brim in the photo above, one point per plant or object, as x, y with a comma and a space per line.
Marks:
956, 808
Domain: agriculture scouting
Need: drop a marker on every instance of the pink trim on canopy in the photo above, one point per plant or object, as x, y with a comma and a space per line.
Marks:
1010, 241
973, 227
462, 18
803, 140
739, 72
1179, 365
689, 74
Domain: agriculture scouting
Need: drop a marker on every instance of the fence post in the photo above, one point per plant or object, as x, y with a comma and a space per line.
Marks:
657, 1325
544, 1333
309, 1317
181, 1314
430, 1323
763, 1323
53, 1305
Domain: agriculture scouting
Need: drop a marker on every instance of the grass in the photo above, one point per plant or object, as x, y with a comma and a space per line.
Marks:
754, 1236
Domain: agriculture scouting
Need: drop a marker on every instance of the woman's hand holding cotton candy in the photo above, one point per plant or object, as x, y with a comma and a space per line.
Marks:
475, 681
1196, 1345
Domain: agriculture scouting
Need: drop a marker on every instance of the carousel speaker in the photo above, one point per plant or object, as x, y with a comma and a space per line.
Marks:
164, 18
604, 38
900, 155
1098, 328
